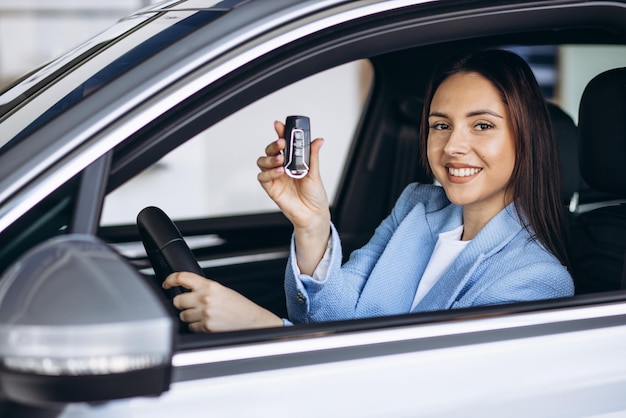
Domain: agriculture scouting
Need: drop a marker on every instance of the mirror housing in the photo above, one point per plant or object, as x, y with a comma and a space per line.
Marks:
79, 324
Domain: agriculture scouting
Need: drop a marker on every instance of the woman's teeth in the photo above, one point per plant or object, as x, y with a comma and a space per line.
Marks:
463, 172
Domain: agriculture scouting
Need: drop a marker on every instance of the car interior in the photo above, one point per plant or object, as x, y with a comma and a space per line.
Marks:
598, 241
384, 159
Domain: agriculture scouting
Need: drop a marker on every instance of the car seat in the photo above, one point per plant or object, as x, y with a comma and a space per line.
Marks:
566, 135
598, 241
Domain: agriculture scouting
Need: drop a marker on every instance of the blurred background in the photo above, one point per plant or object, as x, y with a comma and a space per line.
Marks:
33, 32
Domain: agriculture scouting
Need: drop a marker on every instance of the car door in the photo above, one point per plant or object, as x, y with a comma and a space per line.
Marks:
394, 366
545, 358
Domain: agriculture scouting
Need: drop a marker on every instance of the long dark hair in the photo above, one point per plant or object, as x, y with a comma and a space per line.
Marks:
535, 183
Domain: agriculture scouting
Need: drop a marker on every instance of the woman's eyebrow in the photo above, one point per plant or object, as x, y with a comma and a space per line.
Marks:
469, 115
484, 112
437, 114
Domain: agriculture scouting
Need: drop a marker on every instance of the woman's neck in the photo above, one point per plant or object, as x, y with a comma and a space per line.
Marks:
475, 219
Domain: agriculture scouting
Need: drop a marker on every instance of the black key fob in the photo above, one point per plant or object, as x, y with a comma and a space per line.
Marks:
298, 147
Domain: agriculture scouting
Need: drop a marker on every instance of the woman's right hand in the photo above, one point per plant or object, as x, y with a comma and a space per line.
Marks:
303, 201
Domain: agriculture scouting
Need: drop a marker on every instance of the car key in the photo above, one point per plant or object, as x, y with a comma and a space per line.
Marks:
298, 146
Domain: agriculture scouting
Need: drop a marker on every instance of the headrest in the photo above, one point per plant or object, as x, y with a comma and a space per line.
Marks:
602, 130
566, 136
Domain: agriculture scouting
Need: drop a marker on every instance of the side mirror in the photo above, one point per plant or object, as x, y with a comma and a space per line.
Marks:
79, 324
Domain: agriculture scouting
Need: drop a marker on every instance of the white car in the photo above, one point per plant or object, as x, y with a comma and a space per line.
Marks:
91, 138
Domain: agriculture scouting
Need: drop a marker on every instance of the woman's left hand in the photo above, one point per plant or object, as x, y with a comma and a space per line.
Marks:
212, 307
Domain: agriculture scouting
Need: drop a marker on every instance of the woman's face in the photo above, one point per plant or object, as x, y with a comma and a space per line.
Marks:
471, 146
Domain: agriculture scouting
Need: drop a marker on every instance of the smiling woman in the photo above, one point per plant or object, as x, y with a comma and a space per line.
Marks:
532, 149
471, 148
474, 119
464, 244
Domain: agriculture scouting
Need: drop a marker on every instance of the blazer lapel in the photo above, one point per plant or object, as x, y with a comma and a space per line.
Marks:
495, 235
401, 265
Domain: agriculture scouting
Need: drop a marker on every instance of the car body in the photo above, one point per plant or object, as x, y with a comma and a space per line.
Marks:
82, 127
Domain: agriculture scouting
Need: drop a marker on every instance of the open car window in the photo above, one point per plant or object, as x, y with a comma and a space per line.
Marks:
206, 178
214, 173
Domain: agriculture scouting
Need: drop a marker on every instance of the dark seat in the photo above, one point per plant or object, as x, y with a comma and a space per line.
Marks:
599, 236
566, 135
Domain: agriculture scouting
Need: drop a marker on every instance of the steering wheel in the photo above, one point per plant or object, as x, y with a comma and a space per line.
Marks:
166, 249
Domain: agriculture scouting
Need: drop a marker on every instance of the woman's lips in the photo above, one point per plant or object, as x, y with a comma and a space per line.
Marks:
461, 175
463, 172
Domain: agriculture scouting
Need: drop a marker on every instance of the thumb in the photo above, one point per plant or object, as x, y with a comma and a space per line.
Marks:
185, 279
279, 127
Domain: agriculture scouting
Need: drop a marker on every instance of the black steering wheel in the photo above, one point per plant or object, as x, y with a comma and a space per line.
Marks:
166, 249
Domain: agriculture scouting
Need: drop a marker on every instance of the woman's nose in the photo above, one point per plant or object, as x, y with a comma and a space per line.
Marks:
457, 143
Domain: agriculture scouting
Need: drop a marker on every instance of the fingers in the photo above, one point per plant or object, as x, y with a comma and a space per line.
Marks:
271, 165
187, 300
183, 278
273, 155
198, 327
275, 147
279, 127
196, 320
195, 306
189, 315
211, 306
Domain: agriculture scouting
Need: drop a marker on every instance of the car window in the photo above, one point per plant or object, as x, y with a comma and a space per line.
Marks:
579, 64
50, 218
214, 173
103, 58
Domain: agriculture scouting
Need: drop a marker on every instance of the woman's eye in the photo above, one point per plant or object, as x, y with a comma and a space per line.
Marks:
440, 126
482, 126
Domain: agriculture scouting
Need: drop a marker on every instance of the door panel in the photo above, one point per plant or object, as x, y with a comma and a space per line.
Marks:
491, 365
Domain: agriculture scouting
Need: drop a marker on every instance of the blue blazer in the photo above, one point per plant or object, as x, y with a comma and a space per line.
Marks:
503, 263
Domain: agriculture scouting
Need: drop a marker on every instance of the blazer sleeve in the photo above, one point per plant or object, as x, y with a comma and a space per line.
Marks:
335, 297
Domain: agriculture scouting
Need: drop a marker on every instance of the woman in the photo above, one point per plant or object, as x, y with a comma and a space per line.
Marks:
492, 233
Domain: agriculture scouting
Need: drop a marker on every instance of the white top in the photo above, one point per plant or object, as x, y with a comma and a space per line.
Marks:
447, 249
